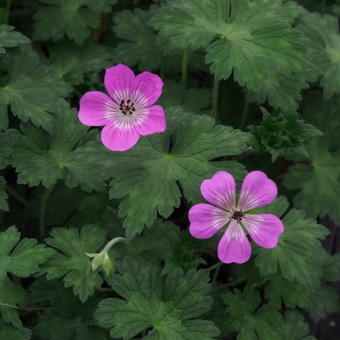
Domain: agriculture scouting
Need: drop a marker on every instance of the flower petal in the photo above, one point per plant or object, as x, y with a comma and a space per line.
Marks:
257, 190
94, 108
119, 139
146, 89
118, 82
220, 190
206, 220
152, 121
234, 245
264, 229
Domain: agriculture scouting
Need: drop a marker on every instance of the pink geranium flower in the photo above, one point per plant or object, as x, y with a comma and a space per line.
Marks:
224, 211
128, 112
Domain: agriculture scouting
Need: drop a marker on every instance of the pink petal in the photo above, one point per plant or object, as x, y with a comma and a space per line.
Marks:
234, 245
118, 81
220, 190
147, 88
257, 190
153, 121
206, 220
94, 108
119, 139
264, 229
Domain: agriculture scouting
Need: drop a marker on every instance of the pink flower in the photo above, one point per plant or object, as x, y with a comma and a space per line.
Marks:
208, 219
128, 112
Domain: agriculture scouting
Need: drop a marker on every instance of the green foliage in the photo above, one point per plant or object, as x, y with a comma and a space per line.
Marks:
72, 18
168, 304
70, 261
141, 45
73, 62
295, 328
147, 176
46, 157
10, 38
68, 318
280, 291
31, 88
320, 178
283, 136
11, 294
11, 333
298, 256
252, 40
191, 99
222, 62
20, 257
251, 320
322, 32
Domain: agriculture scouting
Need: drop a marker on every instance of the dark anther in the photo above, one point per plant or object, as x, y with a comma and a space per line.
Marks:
128, 101
238, 215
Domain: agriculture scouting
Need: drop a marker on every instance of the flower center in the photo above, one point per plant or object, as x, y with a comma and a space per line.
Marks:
127, 108
237, 215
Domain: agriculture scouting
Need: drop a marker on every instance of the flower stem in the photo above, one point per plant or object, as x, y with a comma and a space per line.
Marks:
17, 307
185, 66
42, 211
244, 113
16, 195
215, 90
234, 282
7, 11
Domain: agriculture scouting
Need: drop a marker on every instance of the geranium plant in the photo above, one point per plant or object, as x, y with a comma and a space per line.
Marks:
169, 169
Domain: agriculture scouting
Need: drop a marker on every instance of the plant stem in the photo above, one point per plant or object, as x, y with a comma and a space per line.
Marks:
17, 307
216, 87
217, 271
16, 195
42, 211
244, 113
7, 10
185, 66
234, 282
323, 9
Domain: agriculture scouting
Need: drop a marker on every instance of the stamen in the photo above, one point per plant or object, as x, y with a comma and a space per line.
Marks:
237, 215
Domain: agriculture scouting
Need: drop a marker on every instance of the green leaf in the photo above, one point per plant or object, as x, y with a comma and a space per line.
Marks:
168, 304
252, 40
11, 333
32, 88
72, 18
67, 318
70, 261
10, 38
194, 100
8, 140
295, 328
323, 40
73, 62
331, 271
299, 255
156, 243
3, 195
318, 183
325, 301
148, 177
280, 291
284, 135
249, 319
44, 158
12, 294
20, 257
141, 45
316, 108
